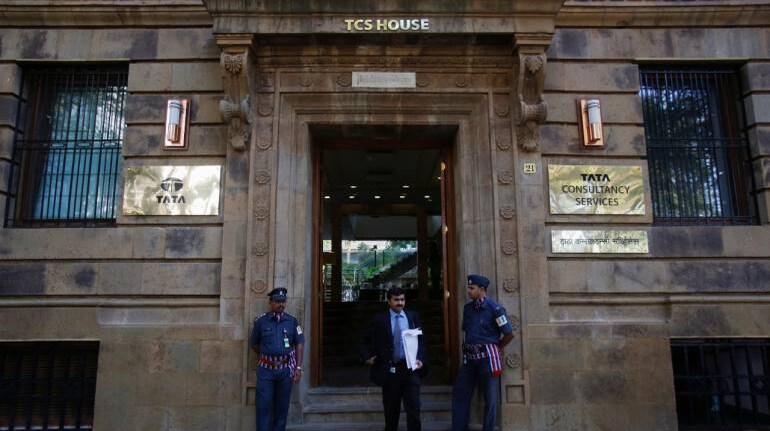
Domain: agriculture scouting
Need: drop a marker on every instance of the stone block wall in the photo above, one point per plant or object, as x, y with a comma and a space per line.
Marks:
150, 288
603, 359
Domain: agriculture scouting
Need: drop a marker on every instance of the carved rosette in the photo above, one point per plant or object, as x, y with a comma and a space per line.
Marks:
235, 106
262, 177
258, 287
260, 249
261, 212
264, 144
510, 285
513, 360
503, 143
505, 177
515, 323
507, 212
509, 247
344, 79
265, 108
502, 110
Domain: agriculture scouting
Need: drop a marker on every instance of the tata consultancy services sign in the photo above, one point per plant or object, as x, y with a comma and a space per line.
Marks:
596, 189
171, 190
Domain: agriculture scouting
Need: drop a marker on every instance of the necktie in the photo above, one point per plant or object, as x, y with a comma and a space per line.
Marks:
397, 347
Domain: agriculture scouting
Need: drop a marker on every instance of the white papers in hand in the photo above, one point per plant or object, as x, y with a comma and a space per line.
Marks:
411, 344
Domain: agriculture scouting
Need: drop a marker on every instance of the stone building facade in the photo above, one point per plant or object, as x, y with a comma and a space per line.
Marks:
170, 299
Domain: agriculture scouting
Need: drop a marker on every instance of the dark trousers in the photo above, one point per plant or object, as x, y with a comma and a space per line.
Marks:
404, 385
472, 374
273, 396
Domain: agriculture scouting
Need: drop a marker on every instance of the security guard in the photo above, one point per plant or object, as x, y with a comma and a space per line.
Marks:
487, 332
278, 341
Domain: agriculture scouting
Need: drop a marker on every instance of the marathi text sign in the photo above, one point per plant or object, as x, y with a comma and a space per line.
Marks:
596, 189
384, 80
599, 241
171, 190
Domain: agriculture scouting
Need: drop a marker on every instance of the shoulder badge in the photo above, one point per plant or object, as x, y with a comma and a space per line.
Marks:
501, 321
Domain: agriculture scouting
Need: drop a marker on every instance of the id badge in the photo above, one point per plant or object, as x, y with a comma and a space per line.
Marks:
286, 342
392, 370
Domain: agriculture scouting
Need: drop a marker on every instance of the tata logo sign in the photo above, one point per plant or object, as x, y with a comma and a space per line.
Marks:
387, 24
171, 191
595, 177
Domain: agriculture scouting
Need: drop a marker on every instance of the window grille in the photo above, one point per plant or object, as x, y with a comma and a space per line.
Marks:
698, 158
47, 385
67, 155
722, 384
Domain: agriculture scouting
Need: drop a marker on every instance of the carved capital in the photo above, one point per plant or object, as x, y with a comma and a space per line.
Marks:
238, 71
233, 63
528, 136
238, 119
532, 108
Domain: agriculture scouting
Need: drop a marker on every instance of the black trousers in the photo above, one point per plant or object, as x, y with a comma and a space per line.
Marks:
404, 385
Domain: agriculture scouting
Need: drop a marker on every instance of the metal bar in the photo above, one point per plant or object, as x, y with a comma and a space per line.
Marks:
692, 142
752, 395
74, 161
689, 397
736, 384
62, 394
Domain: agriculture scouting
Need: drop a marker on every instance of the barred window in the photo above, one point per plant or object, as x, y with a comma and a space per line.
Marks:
698, 156
48, 385
722, 384
67, 154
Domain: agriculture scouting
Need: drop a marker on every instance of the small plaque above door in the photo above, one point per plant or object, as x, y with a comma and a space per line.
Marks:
384, 80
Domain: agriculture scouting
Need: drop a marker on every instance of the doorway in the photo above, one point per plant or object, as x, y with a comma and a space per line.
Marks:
383, 207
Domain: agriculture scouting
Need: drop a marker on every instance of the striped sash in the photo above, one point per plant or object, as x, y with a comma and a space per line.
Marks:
495, 363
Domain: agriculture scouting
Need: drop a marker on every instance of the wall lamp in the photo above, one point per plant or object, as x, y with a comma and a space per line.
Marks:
590, 122
177, 124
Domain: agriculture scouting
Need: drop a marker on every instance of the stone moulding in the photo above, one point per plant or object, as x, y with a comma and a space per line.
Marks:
661, 13
115, 13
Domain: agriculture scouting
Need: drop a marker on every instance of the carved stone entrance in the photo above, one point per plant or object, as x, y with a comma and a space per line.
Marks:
487, 87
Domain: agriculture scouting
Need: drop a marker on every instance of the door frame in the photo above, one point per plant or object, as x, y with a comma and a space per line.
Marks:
449, 255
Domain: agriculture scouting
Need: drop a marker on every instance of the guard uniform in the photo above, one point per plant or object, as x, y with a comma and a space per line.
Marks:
276, 334
484, 323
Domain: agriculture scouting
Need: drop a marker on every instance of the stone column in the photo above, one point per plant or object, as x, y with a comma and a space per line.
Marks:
10, 87
528, 174
756, 84
237, 74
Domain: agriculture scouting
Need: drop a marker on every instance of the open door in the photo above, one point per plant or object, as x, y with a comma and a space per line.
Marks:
381, 221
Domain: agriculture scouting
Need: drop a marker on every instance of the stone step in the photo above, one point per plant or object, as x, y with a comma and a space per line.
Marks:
370, 394
373, 426
349, 412
368, 426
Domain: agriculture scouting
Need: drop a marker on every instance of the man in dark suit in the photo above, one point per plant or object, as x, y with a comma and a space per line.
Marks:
382, 349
